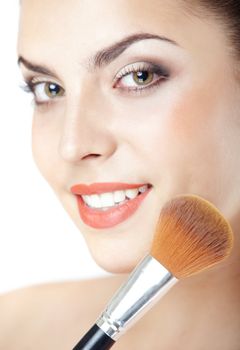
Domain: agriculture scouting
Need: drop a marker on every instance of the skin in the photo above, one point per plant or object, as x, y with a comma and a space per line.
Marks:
183, 136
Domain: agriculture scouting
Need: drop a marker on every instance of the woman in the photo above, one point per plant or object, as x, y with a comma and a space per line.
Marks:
135, 102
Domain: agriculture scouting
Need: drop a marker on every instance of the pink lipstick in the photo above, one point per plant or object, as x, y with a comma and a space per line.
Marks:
106, 217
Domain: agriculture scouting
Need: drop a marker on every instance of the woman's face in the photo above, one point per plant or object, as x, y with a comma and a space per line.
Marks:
130, 93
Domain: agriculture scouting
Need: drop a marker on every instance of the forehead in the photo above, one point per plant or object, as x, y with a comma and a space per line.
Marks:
90, 22
89, 12
68, 31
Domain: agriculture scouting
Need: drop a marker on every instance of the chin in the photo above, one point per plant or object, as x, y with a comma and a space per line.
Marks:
120, 249
114, 265
115, 261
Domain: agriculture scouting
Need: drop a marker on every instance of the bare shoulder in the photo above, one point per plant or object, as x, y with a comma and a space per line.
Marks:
54, 314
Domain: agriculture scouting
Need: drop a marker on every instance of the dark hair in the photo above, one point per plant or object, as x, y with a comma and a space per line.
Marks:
227, 11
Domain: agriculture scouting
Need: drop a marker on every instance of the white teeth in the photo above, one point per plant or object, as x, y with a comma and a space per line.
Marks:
107, 199
95, 201
118, 196
131, 193
92, 200
143, 189
110, 199
86, 199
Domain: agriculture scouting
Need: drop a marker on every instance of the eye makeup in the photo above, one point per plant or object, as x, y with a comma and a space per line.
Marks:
133, 79
42, 86
141, 71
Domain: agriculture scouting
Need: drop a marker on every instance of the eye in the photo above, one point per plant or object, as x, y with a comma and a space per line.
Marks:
140, 76
43, 91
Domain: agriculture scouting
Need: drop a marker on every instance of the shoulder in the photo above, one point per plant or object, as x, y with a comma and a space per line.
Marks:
63, 311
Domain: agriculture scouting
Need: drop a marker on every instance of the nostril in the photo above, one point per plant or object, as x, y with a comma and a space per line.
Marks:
93, 155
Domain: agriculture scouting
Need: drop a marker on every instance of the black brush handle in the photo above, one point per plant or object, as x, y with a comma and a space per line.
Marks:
95, 339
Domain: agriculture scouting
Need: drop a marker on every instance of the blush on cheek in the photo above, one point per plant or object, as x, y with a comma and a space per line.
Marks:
190, 154
192, 118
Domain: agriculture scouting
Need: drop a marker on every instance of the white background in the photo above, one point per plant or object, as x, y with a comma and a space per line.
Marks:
38, 241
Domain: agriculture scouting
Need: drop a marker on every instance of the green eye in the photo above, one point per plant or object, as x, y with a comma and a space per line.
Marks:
143, 77
53, 90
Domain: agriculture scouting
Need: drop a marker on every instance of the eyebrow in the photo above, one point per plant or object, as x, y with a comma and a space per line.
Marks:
102, 57
35, 67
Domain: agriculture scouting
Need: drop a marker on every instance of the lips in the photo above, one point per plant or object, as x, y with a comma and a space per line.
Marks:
110, 216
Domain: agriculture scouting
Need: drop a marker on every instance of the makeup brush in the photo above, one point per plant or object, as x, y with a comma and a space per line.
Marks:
191, 235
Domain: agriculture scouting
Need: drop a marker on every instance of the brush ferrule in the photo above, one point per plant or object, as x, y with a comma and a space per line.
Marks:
144, 287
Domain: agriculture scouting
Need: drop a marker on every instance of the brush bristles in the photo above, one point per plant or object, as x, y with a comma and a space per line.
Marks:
191, 235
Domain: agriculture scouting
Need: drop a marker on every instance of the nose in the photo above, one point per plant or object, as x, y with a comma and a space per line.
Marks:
86, 132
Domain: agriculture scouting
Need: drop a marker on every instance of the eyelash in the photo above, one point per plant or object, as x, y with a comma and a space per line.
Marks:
29, 86
162, 73
153, 68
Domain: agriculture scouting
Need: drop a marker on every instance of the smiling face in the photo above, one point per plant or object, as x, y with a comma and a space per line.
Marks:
139, 93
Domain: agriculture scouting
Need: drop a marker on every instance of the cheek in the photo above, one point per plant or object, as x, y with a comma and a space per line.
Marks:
44, 148
183, 142
190, 125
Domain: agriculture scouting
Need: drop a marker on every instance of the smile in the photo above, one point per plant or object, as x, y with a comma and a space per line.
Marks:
105, 205
109, 199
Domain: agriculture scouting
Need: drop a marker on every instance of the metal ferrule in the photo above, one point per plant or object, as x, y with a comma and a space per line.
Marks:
144, 287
